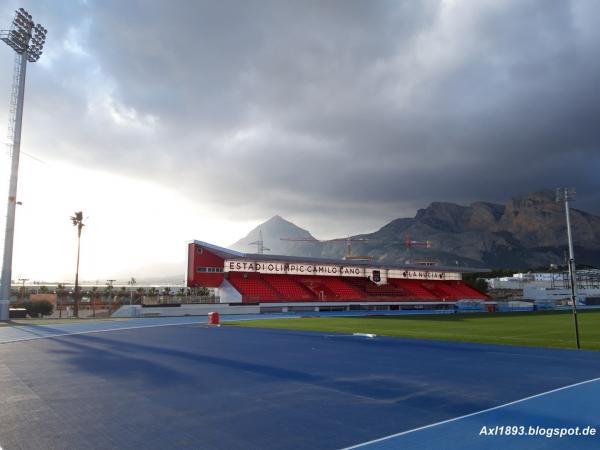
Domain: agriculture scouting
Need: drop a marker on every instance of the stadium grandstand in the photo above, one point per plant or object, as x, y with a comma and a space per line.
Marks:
278, 282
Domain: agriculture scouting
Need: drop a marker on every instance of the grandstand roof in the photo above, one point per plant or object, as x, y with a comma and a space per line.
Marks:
221, 251
227, 253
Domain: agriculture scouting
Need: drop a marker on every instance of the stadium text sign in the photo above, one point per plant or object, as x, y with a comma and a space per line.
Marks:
418, 275
292, 268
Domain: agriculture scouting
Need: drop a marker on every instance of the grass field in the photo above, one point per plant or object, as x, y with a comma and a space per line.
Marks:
545, 329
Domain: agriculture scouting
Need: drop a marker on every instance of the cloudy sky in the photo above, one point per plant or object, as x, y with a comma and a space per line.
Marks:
166, 121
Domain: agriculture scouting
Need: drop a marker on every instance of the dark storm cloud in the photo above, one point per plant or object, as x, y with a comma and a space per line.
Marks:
363, 110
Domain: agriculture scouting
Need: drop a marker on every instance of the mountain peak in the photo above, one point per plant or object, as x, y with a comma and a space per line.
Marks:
442, 216
539, 198
273, 230
277, 218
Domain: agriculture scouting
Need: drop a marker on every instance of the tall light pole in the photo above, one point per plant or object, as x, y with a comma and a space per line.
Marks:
27, 40
131, 283
23, 280
77, 220
564, 195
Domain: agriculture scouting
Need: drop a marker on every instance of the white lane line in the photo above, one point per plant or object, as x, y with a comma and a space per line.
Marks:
100, 331
73, 333
47, 336
470, 415
223, 319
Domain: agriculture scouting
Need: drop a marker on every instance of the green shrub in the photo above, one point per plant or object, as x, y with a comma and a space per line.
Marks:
38, 308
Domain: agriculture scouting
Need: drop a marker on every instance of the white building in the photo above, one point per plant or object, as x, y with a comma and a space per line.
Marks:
551, 286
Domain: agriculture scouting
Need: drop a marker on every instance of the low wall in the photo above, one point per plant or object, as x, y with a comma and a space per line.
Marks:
183, 310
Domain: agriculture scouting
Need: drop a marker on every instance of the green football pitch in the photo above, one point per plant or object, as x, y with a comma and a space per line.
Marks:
546, 329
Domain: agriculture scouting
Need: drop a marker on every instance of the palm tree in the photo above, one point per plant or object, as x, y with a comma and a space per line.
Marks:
153, 293
77, 220
140, 294
94, 295
22, 292
60, 293
202, 292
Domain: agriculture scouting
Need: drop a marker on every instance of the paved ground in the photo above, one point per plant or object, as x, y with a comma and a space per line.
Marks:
192, 386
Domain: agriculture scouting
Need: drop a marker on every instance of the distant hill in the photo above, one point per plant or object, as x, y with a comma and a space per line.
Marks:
273, 230
525, 232
153, 273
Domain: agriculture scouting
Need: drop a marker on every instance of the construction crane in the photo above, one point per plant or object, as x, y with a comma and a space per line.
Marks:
260, 244
411, 243
349, 241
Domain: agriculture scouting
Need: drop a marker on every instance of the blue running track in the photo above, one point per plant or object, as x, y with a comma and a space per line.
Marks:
194, 386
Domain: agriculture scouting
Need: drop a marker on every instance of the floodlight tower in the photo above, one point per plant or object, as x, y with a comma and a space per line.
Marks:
27, 40
564, 195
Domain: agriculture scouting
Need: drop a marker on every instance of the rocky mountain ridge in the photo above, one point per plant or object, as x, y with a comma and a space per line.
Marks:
525, 232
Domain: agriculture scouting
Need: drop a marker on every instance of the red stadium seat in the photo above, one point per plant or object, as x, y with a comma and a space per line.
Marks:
414, 288
372, 289
289, 288
252, 287
466, 291
256, 287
